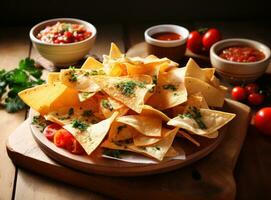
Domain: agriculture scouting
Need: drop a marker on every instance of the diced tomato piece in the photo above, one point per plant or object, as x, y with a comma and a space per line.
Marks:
63, 138
50, 131
75, 148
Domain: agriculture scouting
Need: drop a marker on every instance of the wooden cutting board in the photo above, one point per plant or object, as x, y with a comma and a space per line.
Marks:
209, 178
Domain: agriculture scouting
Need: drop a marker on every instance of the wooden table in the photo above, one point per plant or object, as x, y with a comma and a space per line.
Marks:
252, 171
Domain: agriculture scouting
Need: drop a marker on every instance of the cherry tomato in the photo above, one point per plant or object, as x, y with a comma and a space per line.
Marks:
238, 93
210, 37
262, 120
63, 138
50, 131
194, 42
252, 88
75, 147
255, 99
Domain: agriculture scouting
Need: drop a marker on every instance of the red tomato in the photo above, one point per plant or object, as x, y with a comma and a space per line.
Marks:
50, 131
252, 88
63, 138
255, 99
75, 147
210, 37
262, 120
238, 93
194, 42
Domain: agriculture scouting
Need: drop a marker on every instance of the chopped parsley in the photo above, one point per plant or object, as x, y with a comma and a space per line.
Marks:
120, 128
94, 73
106, 104
40, 122
128, 87
112, 153
79, 125
73, 75
71, 111
169, 87
194, 113
157, 148
87, 113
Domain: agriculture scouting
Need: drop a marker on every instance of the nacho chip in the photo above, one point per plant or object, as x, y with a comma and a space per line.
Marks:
83, 96
81, 80
213, 96
48, 97
53, 77
92, 63
114, 51
202, 121
150, 111
142, 140
171, 153
147, 126
120, 132
157, 151
170, 90
130, 90
91, 138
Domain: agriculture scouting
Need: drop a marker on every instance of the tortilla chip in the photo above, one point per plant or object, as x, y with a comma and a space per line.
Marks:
114, 51
48, 97
93, 136
170, 90
53, 77
196, 100
142, 140
92, 63
81, 80
171, 153
146, 125
130, 90
157, 151
84, 111
212, 119
120, 132
213, 96
150, 111
83, 96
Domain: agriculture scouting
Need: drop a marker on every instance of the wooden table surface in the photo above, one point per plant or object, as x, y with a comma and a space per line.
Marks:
252, 170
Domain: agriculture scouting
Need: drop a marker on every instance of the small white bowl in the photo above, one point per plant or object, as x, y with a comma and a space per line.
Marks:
239, 72
63, 54
173, 49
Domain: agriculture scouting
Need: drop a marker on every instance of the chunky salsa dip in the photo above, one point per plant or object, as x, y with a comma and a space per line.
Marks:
242, 54
63, 33
167, 36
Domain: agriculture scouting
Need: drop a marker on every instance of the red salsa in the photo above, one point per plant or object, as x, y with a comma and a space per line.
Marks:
242, 54
63, 33
167, 36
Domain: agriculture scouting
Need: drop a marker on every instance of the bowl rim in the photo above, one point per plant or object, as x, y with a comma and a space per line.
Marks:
242, 41
162, 43
87, 24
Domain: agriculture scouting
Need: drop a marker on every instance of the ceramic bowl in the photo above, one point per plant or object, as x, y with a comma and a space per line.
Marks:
63, 54
239, 72
173, 49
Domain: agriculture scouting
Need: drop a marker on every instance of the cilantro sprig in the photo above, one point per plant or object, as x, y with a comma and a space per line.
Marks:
12, 82
195, 114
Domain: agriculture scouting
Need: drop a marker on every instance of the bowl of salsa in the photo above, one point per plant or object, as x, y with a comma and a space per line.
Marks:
167, 40
63, 41
240, 60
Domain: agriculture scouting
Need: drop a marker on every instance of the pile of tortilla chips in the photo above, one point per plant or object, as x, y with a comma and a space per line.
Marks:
131, 103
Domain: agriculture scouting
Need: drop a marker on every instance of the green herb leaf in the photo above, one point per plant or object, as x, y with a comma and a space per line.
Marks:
106, 104
194, 113
128, 87
79, 125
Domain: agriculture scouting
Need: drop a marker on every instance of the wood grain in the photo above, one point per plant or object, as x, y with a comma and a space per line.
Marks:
14, 45
209, 178
107, 33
